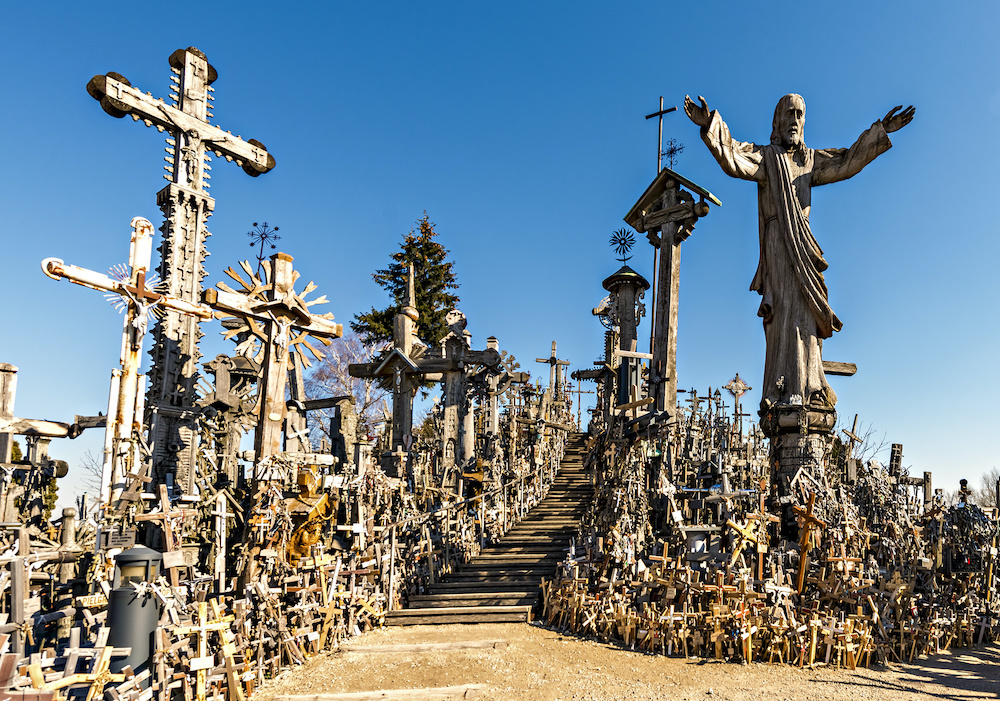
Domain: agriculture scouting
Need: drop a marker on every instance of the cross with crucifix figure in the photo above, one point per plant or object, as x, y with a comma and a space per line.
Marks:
280, 318
186, 207
131, 293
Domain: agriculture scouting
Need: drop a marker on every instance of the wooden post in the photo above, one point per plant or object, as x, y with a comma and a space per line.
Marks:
8, 388
18, 595
668, 278
392, 568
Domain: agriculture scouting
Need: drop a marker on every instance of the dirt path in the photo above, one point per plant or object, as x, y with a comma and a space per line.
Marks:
542, 664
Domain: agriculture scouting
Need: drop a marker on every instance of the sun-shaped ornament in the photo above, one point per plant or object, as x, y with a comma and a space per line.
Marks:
147, 305
251, 334
737, 387
622, 241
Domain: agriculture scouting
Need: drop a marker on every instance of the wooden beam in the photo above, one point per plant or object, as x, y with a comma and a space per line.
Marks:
832, 367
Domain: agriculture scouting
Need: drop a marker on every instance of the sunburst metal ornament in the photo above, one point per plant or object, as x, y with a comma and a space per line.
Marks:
737, 387
251, 335
144, 307
622, 241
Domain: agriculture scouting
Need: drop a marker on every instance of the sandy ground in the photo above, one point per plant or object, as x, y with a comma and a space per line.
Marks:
542, 664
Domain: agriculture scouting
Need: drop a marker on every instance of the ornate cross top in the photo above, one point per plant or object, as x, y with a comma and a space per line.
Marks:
186, 207
271, 311
186, 119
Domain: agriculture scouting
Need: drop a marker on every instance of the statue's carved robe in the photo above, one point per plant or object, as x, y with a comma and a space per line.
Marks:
795, 309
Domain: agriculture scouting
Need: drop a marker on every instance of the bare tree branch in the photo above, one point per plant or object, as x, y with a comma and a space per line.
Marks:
330, 378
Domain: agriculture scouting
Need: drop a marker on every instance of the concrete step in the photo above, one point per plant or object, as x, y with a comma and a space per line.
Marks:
486, 598
458, 614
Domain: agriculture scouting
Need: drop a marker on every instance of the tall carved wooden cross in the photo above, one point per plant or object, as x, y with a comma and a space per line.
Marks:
186, 207
124, 424
281, 318
666, 213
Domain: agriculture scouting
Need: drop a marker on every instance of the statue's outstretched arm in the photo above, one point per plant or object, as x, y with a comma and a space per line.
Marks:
891, 121
738, 159
699, 114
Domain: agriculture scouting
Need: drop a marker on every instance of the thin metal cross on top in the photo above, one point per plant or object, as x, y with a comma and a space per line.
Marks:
659, 143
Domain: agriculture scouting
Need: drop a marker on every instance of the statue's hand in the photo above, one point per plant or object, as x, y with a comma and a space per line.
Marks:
894, 122
700, 115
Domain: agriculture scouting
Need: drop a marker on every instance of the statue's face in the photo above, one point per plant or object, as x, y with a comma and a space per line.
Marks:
792, 121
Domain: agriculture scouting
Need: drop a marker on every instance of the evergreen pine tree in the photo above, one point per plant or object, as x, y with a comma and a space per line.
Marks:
433, 282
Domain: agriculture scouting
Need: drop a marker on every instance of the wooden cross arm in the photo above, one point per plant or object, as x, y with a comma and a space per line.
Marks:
685, 211
35, 427
362, 369
57, 269
233, 304
114, 91
806, 515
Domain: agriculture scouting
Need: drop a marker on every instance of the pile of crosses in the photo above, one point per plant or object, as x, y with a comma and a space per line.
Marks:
685, 552
202, 569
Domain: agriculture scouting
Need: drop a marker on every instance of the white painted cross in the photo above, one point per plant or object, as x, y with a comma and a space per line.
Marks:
125, 405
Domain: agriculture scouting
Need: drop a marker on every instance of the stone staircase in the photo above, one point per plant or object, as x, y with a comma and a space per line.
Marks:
501, 584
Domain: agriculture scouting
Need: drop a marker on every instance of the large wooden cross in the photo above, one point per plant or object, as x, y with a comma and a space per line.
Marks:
274, 310
124, 423
186, 207
808, 523
667, 214
555, 371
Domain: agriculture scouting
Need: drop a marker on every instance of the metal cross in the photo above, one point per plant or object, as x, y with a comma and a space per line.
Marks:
659, 141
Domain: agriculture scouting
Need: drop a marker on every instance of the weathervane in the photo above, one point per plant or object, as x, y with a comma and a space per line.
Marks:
622, 241
261, 235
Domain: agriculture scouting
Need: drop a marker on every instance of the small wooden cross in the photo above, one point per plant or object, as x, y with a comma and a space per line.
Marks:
98, 678
202, 629
808, 523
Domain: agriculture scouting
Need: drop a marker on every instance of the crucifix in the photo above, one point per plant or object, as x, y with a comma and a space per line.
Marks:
667, 214
555, 372
186, 207
132, 294
281, 319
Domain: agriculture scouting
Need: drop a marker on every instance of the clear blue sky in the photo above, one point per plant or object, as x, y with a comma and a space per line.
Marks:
519, 128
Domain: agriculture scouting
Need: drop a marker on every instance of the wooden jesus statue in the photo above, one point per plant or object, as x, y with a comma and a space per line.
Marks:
794, 306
